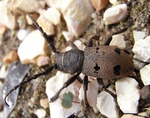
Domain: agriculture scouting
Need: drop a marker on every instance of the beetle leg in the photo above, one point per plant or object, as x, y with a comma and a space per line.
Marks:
96, 37
66, 84
108, 40
50, 44
85, 88
48, 70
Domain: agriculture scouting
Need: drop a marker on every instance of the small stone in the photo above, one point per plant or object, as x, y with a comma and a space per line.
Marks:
43, 60
10, 57
145, 113
107, 105
3, 71
145, 74
99, 4
114, 2
22, 33
92, 93
52, 86
72, 11
79, 44
53, 15
6, 14
46, 25
118, 40
141, 49
2, 29
131, 116
41, 113
138, 35
115, 14
44, 103
144, 92
33, 46
29, 6
128, 94
68, 35
138, 64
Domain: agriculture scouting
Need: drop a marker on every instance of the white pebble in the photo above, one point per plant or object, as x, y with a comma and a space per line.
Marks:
118, 40
53, 15
99, 4
138, 64
52, 86
68, 35
128, 94
138, 35
141, 49
22, 33
76, 13
107, 105
145, 74
41, 113
92, 93
115, 14
131, 116
32, 47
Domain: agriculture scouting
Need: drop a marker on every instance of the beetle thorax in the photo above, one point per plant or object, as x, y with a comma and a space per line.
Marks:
70, 61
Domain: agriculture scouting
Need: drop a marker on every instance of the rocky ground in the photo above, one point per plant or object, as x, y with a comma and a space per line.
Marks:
61, 26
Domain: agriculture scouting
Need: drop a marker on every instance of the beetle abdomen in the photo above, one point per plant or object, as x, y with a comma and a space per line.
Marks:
106, 62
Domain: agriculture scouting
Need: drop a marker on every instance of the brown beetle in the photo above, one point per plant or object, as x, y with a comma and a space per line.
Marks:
101, 62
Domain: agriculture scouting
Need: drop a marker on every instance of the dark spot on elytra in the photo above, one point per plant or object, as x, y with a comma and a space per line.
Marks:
117, 70
97, 50
96, 67
117, 50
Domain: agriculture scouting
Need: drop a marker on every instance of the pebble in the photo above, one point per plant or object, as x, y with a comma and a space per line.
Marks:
71, 11
53, 15
3, 71
41, 113
118, 40
6, 14
68, 35
141, 49
33, 46
115, 14
46, 25
138, 35
52, 86
28, 6
138, 64
43, 60
99, 4
145, 74
92, 93
107, 105
22, 33
128, 94
2, 29
10, 57
131, 116
44, 103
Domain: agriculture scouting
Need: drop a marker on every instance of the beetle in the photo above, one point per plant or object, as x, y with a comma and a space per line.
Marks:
100, 61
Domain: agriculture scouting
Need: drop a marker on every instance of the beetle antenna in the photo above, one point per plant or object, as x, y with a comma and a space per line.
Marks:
50, 44
48, 70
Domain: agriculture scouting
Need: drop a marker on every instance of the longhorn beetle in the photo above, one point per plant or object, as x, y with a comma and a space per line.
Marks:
100, 62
